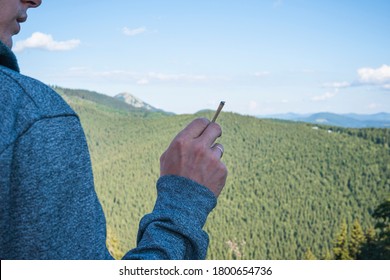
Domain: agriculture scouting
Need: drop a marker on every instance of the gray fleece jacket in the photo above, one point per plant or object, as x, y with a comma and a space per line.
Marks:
48, 205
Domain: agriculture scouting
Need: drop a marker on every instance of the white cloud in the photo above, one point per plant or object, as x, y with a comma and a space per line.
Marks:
337, 85
380, 75
375, 77
133, 32
43, 41
143, 81
175, 77
139, 78
324, 97
262, 74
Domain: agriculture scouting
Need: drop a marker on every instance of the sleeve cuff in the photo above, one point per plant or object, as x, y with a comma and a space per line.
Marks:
185, 196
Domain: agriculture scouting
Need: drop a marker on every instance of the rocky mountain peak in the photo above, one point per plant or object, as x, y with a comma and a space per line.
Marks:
133, 101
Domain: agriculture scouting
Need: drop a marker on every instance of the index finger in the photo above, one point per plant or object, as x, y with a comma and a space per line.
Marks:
211, 133
195, 128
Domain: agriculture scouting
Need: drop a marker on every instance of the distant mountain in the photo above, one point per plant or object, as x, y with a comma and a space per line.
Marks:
121, 102
380, 120
374, 117
288, 116
134, 101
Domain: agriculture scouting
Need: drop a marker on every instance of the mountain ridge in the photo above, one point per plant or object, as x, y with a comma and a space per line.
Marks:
127, 102
123, 102
351, 120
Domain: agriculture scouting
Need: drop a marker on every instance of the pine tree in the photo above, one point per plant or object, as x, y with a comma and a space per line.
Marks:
357, 240
369, 251
382, 215
327, 255
377, 245
340, 248
309, 255
370, 235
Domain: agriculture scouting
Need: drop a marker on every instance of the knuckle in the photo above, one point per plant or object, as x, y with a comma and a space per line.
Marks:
202, 122
217, 164
217, 128
222, 169
179, 142
225, 170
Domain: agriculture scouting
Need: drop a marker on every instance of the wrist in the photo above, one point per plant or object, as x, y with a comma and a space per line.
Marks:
185, 196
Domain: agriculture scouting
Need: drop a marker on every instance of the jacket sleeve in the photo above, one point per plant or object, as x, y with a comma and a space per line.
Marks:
55, 210
57, 214
174, 228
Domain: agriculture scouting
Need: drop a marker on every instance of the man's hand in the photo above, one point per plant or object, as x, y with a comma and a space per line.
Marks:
193, 154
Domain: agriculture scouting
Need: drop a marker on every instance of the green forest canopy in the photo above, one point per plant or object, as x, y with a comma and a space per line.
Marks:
290, 187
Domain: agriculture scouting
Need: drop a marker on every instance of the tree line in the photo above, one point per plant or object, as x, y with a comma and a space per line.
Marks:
356, 244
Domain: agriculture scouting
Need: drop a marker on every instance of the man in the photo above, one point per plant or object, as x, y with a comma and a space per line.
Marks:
48, 205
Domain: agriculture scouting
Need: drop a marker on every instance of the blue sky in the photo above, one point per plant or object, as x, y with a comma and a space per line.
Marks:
260, 56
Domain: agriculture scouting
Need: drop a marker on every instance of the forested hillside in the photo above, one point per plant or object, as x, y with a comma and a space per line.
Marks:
290, 187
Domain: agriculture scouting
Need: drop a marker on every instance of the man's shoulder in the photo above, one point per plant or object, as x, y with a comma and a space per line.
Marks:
23, 101
32, 94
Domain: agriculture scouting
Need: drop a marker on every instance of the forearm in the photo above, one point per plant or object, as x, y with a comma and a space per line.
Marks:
174, 229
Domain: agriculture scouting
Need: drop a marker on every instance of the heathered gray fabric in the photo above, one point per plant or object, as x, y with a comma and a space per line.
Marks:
48, 205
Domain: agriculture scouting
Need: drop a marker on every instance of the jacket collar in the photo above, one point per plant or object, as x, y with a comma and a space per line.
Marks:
7, 58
